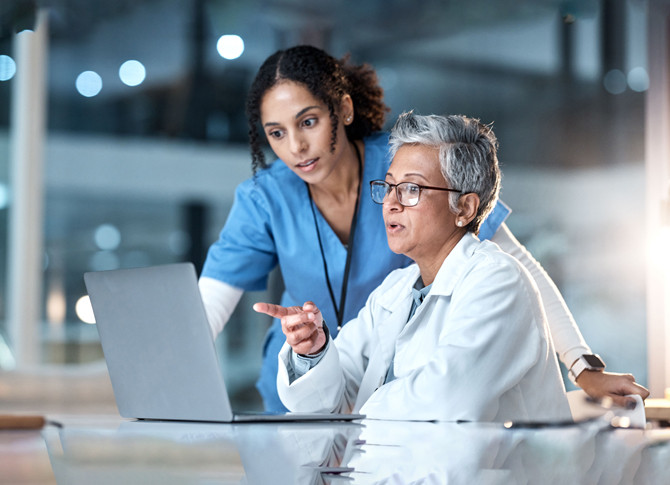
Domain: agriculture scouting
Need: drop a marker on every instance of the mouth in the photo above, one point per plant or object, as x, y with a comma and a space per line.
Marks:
393, 227
307, 164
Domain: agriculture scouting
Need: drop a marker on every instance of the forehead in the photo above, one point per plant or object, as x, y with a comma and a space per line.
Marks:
286, 99
416, 159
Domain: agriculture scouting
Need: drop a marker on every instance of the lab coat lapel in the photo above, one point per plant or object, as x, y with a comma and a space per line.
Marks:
394, 319
395, 306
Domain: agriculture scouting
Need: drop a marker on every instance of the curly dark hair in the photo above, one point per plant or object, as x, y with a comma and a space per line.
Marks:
328, 79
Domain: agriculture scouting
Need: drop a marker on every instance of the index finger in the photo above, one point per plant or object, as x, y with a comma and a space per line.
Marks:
635, 388
276, 311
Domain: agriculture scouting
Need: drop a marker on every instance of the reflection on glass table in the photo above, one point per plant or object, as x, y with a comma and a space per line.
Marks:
141, 452
595, 451
132, 452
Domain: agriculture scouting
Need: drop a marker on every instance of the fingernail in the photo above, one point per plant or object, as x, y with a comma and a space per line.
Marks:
631, 404
310, 316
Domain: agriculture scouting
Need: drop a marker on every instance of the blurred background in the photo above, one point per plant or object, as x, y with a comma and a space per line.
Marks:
145, 141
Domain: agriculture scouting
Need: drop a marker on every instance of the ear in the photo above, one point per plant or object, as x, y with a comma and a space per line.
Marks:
347, 109
468, 204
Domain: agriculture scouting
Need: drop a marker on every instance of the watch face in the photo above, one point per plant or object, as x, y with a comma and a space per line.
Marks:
594, 361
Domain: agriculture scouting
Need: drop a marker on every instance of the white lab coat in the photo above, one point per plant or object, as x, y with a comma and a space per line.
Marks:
478, 348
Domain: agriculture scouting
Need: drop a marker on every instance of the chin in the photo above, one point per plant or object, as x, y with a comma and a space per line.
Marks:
396, 248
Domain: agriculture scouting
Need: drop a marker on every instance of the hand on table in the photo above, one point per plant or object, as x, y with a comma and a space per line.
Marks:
303, 326
602, 385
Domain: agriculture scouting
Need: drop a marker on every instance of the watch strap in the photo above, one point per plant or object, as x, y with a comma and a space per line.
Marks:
585, 362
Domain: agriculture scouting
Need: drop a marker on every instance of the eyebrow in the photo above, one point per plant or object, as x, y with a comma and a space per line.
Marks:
411, 174
304, 110
298, 115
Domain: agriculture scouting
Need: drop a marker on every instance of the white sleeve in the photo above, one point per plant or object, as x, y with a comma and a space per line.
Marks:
567, 338
219, 299
332, 385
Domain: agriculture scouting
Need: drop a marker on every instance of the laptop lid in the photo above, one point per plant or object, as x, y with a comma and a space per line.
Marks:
159, 349
157, 343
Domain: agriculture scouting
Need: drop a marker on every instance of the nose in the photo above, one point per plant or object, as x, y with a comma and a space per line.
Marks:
296, 142
391, 202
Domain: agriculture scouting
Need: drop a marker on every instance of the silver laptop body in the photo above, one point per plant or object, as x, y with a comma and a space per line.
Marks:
159, 350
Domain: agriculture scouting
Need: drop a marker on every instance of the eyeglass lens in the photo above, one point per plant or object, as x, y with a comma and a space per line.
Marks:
406, 192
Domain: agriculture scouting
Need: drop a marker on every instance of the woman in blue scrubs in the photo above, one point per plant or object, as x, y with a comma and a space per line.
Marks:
307, 212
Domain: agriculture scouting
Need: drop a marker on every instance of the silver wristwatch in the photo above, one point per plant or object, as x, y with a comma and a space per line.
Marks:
585, 362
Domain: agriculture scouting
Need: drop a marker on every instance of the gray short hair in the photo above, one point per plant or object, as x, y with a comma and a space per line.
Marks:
467, 153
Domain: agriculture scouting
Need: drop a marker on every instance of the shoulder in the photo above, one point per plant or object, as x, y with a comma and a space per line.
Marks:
494, 220
473, 259
489, 252
478, 270
377, 158
269, 184
275, 174
379, 139
494, 265
377, 146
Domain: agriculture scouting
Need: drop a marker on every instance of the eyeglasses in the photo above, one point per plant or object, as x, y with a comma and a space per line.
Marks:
407, 193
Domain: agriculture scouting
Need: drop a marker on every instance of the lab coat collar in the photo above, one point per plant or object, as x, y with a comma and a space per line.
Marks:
400, 293
453, 266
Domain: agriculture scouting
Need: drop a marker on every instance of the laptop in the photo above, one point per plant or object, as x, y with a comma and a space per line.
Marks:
159, 349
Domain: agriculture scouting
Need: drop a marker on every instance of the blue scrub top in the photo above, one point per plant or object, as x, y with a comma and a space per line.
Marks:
271, 223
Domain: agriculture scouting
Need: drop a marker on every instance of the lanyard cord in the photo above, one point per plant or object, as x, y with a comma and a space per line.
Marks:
339, 312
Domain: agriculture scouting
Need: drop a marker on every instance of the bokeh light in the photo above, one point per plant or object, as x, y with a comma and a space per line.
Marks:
107, 237
132, 73
84, 310
4, 196
7, 68
614, 82
638, 79
89, 83
230, 46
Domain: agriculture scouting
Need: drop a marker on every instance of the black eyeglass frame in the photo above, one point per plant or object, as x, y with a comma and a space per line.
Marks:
395, 186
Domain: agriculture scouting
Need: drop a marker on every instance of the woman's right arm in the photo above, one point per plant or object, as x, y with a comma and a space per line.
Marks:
220, 300
241, 259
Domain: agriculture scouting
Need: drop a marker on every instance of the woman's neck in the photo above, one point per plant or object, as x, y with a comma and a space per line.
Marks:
336, 197
431, 264
343, 181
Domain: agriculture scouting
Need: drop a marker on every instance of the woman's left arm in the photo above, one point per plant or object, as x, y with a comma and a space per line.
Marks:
568, 340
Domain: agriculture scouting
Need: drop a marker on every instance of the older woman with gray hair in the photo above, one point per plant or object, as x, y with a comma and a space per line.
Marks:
460, 334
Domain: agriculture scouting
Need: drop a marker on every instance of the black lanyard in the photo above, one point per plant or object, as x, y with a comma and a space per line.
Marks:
339, 311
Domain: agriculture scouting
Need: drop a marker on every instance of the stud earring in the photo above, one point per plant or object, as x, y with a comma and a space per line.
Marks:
348, 119
459, 223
